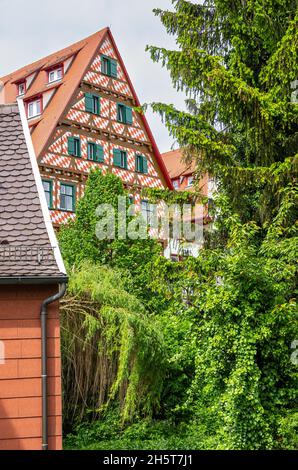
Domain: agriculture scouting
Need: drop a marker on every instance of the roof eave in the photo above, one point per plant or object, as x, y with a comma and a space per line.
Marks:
33, 280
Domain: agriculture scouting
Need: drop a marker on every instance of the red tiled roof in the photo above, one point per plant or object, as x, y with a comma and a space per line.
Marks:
25, 249
176, 167
84, 52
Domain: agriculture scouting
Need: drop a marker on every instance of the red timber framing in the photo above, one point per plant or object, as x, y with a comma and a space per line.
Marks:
66, 116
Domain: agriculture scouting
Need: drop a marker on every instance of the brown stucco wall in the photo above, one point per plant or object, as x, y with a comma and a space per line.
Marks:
20, 381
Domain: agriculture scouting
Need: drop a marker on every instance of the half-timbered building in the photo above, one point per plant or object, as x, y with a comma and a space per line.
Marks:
82, 113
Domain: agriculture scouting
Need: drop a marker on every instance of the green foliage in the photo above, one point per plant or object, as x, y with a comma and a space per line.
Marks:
107, 434
243, 366
236, 63
172, 197
78, 240
103, 323
288, 432
227, 318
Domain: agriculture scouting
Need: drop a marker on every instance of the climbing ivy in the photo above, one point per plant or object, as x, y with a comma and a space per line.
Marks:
236, 62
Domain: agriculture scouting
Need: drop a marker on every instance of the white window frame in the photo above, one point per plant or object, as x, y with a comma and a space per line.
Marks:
34, 108
92, 153
123, 159
57, 74
48, 188
176, 184
107, 66
20, 87
121, 114
67, 197
190, 180
147, 211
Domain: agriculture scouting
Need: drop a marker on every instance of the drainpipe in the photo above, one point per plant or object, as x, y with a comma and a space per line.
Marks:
44, 373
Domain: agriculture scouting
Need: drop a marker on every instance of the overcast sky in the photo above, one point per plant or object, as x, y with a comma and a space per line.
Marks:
35, 28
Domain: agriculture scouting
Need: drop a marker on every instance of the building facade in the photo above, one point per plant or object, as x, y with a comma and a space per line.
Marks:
32, 278
82, 113
183, 177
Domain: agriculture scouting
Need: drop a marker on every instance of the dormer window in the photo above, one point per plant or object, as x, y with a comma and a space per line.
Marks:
34, 108
21, 89
56, 74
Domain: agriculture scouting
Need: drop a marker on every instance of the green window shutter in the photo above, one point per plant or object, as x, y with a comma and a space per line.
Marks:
117, 157
102, 64
89, 102
128, 115
100, 154
125, 160
99, 105
144, 165
114, 68
79, 148
71, 146
48, 189
141, 164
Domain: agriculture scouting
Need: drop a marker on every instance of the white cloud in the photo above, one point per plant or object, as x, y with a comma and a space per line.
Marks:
33, 29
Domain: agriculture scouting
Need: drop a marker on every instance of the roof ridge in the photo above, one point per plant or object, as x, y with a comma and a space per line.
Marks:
9, 108
84, 53
35, 64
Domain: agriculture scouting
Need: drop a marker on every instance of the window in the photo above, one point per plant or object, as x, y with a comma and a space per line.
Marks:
124, 114
56, 74
176, 184
141, 164
120, 158
92, 103
67, 197
74, 146
121, 113
21, 88
105, 65
190, 181
147, 211
91, 151
109, 66
48, 189
95, 152
34, 108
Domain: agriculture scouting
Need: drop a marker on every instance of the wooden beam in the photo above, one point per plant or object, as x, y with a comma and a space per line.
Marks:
112, 95
53, 169
107, 136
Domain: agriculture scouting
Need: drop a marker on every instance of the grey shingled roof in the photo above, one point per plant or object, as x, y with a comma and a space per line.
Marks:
25, 249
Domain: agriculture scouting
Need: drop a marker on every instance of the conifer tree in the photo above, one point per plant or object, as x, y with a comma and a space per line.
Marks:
237, 63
